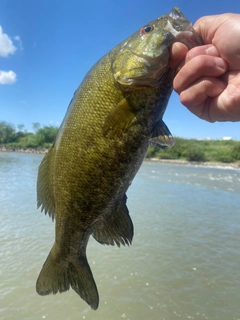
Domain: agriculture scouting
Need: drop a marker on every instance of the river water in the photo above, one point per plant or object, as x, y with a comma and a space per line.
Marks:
184, 262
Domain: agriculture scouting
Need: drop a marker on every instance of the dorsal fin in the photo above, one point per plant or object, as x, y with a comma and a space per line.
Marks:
45, 196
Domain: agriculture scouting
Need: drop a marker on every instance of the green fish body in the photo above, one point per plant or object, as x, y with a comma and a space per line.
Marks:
114, 115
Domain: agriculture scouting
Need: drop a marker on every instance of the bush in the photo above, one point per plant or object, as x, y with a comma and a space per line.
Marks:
46, 134
43, 137
195, 152
224, 156
236, 151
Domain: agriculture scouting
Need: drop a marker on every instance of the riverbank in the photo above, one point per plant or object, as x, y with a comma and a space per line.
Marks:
198, 163
173, 161
24, 150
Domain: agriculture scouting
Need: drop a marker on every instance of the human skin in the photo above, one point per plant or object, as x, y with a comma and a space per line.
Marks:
208, 80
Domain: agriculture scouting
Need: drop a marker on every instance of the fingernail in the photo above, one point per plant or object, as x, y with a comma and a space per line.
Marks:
212, 51
220, 63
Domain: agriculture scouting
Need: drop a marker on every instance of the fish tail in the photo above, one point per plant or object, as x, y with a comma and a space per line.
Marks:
58, 275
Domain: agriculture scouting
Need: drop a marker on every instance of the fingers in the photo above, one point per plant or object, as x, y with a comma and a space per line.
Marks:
208, 80
228, 103
207, 26
198, 82
208, 49
199, 95
198, 67
223, 32
177, 53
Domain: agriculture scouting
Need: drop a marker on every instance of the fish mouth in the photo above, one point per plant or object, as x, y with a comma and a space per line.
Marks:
187, 35
176, 14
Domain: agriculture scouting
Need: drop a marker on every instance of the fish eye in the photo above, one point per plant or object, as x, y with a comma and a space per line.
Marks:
146, 29
178, 28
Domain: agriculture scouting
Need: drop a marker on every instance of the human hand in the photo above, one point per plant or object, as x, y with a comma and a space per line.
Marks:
209, 78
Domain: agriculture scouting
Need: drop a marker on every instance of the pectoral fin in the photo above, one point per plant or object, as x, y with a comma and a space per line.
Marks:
162, 137
117, 228
119, 119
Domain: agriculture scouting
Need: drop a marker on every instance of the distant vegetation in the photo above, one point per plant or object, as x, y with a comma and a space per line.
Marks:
184, 149
199, 150
42, 137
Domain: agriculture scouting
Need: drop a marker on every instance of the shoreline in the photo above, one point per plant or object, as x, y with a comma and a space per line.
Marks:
197, 163
172, 161
24, 150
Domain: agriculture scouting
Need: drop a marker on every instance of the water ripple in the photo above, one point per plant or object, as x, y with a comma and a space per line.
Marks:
183, 264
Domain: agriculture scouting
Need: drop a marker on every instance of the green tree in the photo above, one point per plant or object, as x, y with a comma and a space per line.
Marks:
20, 127
7, 132
36, 126
47, 134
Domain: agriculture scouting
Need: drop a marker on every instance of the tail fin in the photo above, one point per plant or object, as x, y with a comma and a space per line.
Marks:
59, 275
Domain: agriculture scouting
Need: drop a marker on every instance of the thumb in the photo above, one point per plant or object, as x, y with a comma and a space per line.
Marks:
207, 27
223, 32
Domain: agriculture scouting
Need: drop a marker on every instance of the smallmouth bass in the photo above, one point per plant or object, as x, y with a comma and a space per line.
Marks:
113, 117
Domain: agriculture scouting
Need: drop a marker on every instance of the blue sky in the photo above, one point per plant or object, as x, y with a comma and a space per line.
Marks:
47, 46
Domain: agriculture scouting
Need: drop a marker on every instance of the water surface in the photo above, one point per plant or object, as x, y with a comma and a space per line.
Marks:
184, 262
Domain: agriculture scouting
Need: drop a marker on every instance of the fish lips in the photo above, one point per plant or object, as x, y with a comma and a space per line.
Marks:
190, 38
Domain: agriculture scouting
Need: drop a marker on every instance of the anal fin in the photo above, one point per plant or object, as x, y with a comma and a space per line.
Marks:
162, 137
117, 228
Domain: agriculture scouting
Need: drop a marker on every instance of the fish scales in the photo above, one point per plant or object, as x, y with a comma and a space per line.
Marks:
113, 117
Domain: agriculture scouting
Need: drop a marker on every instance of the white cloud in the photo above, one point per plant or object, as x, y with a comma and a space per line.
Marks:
18, 39
6, 44
7, 77
6, 48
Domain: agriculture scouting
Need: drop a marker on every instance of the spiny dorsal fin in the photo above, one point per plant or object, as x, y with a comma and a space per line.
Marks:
45, 197
119, 119
162, 137
117, 228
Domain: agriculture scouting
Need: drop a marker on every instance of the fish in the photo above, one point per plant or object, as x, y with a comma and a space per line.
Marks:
113, 117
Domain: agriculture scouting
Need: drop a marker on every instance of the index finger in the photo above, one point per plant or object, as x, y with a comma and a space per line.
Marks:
208, 49
201, 66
